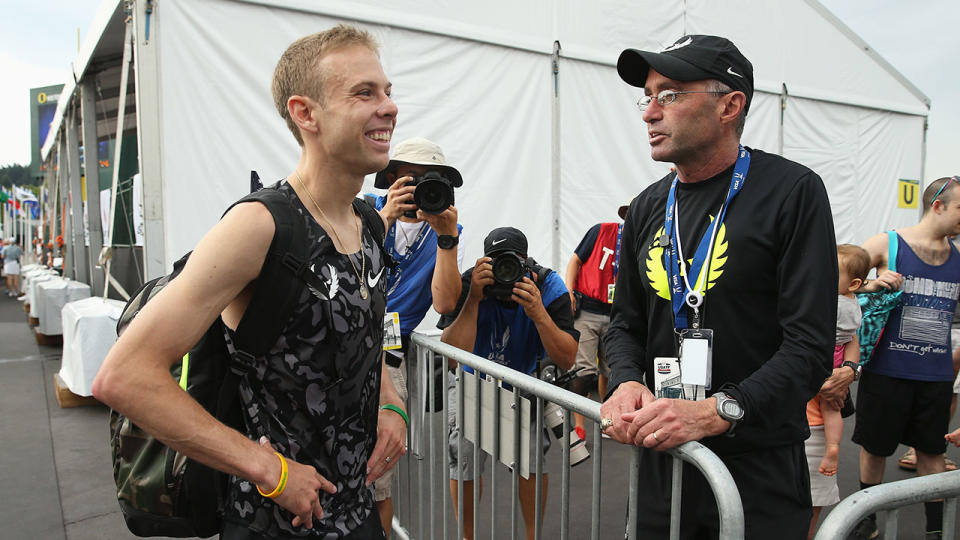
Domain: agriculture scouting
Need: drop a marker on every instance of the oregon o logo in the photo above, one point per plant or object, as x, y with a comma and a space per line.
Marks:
42, 98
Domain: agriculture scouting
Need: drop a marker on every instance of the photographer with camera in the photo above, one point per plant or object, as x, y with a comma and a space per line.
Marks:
513, 312
423, 237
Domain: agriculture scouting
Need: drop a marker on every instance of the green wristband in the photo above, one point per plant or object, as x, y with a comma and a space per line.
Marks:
398, 410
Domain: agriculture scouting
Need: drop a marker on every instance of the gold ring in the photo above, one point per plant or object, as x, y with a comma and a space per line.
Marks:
655, 436
606, 422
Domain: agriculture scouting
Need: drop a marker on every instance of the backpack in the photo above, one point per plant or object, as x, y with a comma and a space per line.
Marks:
876, 307
162, 492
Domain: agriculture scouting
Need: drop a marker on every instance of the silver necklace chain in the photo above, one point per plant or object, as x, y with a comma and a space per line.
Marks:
363, 264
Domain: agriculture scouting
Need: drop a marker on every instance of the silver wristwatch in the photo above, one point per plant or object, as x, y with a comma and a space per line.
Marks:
729, 409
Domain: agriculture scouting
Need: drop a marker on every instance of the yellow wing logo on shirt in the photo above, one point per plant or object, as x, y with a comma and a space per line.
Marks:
657, 274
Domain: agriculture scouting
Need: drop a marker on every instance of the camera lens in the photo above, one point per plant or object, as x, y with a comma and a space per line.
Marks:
553, 417
433, 194
507, 268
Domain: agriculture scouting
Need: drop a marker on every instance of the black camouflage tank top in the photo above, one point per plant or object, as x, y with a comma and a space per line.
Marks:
316, 393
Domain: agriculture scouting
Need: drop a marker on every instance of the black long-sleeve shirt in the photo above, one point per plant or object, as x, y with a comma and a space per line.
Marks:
772, 300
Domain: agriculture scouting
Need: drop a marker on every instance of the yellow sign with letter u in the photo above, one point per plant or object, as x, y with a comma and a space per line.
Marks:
908, 193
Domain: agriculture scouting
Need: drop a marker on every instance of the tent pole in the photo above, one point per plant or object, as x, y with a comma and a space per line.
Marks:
149, 143
923, 162
118, 144
555, 154
77, 245
91, 167
783, 111
61, 202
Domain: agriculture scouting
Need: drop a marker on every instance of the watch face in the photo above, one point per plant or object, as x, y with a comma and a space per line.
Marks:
732, 409
445, 242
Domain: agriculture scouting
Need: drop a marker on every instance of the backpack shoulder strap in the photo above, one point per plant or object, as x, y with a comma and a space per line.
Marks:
275, 294
371, 218
892, 245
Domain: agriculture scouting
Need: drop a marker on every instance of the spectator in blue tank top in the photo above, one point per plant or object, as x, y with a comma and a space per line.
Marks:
429, 255
905, 391
515, 327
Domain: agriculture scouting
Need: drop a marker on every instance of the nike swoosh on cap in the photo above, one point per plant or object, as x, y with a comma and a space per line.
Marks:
495, 242
734, 73
676, 46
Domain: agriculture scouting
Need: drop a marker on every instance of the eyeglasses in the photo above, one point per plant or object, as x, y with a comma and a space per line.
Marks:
944, 186
667, 97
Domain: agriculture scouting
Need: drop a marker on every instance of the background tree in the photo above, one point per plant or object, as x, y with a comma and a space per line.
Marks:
15, 174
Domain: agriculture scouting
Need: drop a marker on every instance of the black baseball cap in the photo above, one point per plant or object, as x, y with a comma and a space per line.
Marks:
691, 58
504, 239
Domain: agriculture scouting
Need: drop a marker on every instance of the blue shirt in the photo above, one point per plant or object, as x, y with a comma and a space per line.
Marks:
12, 253
408, 285
506, 335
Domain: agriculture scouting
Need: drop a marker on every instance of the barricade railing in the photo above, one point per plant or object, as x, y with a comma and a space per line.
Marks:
891, 497
423, 473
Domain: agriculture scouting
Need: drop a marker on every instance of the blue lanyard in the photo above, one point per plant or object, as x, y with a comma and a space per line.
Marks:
390, 243
679, 289
616, 256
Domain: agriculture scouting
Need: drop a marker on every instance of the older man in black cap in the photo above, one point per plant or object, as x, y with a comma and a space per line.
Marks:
728, 275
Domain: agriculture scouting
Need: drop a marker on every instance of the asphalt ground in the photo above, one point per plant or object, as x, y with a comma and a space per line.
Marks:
57, 478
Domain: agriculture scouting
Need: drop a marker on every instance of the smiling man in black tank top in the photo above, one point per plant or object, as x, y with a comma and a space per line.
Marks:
313, 408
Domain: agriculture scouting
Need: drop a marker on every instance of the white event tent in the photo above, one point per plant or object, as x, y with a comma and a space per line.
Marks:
524, 98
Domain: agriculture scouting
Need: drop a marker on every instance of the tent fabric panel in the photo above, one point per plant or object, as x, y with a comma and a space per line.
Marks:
762, 129
599, 31
605, 156
792, 43
823, 136
218, 122
860, 154
528, 25
487, 106
889, 149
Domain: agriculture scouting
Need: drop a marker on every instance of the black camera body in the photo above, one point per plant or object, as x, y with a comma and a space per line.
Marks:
433, 193
509, 267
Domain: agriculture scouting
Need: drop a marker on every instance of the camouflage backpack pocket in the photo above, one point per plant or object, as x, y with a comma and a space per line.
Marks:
151, 488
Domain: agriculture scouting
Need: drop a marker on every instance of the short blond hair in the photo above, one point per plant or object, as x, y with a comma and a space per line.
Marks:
296, 73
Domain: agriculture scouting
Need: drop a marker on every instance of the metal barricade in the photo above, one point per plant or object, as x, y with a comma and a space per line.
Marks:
891, 497
423, 473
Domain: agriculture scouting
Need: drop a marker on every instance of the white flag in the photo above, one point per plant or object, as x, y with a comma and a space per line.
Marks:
24, 194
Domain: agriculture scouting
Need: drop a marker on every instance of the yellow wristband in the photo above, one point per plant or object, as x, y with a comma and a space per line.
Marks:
283, 479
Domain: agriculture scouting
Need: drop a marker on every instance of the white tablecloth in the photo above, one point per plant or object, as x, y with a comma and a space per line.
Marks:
51, 296
30, 286
89, 330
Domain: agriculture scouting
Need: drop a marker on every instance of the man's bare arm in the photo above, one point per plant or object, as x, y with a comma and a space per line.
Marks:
877, 246
446, 283
573, 272
135, 377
